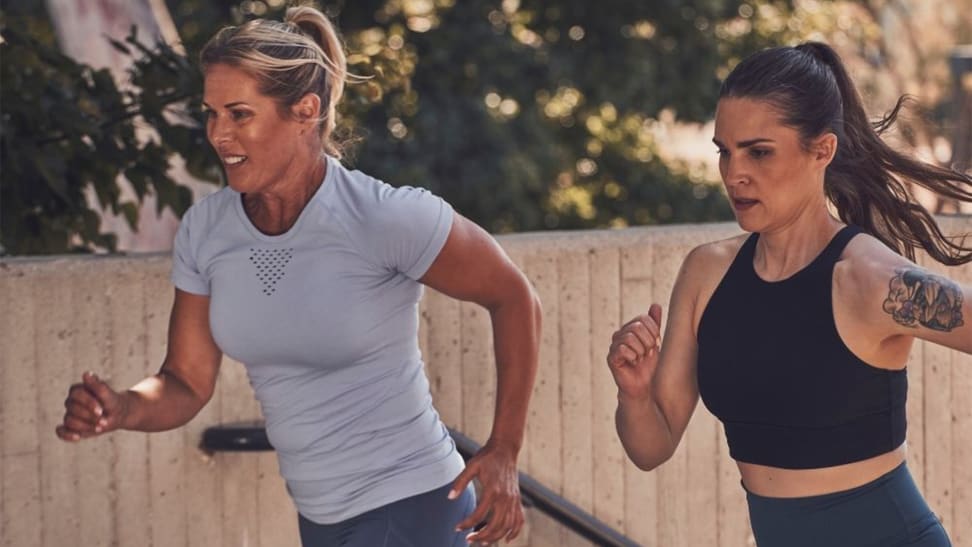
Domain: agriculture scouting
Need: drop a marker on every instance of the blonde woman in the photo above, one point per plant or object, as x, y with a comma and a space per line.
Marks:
310, 274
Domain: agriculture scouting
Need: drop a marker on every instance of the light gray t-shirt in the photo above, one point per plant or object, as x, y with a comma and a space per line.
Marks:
325, 319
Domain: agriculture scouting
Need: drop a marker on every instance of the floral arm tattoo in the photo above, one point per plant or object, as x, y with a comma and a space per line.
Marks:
918, 297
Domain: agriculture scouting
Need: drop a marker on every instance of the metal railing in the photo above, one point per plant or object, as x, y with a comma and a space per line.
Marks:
252, 436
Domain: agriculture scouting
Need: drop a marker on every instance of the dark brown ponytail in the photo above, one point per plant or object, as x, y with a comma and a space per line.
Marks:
867, 179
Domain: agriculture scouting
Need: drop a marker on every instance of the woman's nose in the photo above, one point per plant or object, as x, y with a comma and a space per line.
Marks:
219, 132
733, 173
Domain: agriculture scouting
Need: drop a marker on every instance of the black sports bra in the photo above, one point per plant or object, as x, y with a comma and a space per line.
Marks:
774, 370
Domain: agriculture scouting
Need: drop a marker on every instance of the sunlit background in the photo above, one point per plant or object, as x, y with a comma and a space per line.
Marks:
525, 115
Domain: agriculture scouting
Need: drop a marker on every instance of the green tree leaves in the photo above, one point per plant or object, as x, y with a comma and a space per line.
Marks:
525, 115
67, 128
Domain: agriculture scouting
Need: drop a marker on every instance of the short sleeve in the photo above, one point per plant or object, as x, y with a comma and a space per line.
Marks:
414, 225
185, 270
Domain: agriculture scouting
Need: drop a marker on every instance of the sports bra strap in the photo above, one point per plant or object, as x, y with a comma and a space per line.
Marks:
832, 251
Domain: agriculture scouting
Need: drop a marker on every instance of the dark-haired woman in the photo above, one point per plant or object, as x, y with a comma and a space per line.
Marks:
310, 274
796, 335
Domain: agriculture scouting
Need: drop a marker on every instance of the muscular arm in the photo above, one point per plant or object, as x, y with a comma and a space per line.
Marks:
651, 422
187, 378
163, 401
472, 266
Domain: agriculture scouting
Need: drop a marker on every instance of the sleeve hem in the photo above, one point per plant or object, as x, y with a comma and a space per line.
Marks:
442, 229
190, 286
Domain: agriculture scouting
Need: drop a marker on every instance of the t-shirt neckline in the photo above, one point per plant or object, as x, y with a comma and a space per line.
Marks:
256, 233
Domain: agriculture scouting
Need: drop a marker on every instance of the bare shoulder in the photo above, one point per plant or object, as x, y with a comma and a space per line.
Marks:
866, 259
864, 269
708, 262
703, 270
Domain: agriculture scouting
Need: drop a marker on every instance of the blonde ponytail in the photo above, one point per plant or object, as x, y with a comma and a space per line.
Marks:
319, 28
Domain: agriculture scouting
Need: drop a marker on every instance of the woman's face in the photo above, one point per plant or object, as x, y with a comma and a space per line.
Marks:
255, 143
770, 177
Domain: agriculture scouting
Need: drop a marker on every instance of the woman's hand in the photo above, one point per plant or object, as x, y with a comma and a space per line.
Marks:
633, 356
92, 408
499, 501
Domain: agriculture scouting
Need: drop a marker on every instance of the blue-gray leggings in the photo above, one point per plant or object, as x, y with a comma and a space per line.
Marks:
425, 520
886, 512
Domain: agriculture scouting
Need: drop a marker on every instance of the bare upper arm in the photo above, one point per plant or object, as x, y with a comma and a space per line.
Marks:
882, 300
472, 266
676, 384
192, 355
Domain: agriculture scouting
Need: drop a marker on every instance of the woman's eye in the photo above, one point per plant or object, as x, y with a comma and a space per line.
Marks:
722, 152
758, 153
239, 114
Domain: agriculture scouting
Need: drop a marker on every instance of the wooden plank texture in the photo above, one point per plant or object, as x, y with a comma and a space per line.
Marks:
94, 457
21, 494
544, 422
605, 318
641, 488
128, 364
63, 316
54, 329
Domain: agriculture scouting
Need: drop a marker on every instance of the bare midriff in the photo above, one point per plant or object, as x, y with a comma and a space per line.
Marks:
775, 482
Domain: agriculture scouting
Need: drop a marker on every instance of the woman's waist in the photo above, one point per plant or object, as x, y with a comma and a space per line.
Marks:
775, 482
336, 431
369, 454
307, 404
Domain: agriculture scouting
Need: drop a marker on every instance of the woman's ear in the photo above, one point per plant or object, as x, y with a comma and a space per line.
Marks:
307, 109
825, 148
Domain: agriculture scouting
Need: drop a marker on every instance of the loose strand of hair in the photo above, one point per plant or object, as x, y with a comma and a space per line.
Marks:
880, 172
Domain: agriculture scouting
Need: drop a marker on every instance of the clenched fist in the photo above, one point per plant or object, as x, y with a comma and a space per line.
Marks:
91, 408
633, 356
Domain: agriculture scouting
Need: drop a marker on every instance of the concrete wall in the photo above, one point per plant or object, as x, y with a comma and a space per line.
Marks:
61, 316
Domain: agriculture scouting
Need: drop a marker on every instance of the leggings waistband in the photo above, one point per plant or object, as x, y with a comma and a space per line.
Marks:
886, 512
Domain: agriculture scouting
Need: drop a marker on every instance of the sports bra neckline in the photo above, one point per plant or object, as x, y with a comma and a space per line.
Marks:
747, 255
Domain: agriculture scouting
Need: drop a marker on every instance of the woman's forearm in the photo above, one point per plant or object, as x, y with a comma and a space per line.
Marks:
644, 431
161, 402
516, 332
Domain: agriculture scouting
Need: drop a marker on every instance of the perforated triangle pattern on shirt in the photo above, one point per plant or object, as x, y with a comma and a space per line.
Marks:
270, 265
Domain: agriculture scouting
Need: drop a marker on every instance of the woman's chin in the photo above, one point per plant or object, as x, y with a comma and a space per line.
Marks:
747, 224
239, 185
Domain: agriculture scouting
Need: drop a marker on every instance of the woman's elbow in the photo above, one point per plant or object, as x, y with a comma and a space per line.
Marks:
518, 294
649, 461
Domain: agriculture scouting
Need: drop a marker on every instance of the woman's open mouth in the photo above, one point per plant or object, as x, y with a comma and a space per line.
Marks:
742, 204
233, 161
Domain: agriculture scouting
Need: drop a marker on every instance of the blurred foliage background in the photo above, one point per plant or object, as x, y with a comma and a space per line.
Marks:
524, 114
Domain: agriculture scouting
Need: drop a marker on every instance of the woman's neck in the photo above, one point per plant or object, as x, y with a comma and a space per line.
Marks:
275, 210
782, 252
